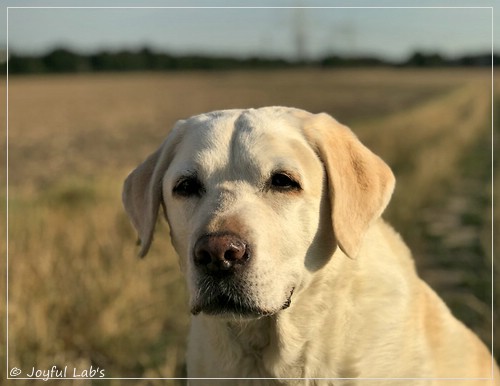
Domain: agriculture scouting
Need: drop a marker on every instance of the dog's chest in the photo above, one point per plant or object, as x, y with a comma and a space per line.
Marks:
240, 350
261, 351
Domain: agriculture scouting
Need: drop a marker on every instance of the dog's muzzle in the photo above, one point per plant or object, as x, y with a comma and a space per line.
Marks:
220, 260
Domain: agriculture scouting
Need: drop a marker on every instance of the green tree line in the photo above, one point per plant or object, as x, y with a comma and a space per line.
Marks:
62, 60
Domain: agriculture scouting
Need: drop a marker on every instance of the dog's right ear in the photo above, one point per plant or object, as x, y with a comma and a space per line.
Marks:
142, 190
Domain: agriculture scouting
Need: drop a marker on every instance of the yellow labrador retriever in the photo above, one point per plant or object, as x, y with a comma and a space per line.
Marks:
275, 214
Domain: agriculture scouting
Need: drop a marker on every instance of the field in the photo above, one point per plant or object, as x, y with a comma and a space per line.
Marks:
79, 296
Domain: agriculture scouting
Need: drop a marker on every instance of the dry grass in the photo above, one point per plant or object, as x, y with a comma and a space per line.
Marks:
77, 294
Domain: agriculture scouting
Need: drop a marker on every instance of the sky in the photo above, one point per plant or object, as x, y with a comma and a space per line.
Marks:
387, 28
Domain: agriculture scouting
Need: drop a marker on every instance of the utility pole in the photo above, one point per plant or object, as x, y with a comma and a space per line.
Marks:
299, 29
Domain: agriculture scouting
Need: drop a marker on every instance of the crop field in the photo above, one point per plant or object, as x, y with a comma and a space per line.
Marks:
77, 294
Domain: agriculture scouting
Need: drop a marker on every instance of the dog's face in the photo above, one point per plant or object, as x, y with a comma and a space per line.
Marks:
243, 196
249, 197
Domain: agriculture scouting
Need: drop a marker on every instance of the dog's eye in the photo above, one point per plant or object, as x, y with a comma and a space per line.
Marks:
188, 187
283, 182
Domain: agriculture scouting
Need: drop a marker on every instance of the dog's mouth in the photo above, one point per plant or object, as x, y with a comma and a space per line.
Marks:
236, 304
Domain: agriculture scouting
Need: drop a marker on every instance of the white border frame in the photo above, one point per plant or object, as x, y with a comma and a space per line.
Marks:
491, 8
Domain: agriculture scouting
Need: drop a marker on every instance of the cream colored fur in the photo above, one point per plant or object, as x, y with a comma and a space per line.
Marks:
358, 308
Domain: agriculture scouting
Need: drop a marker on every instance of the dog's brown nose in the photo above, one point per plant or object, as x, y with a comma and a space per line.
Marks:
220, 252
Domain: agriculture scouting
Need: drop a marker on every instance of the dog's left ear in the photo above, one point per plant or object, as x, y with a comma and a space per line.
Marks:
142, 190
360, 184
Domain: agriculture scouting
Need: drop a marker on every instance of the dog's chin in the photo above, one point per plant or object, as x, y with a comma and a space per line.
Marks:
230, 307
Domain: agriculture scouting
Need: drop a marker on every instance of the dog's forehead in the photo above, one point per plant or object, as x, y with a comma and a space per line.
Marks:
227, 125
245, 137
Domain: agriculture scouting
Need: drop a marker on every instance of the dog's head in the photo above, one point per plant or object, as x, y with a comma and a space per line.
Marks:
257, 201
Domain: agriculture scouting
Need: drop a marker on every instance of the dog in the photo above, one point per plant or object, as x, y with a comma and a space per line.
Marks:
293, 276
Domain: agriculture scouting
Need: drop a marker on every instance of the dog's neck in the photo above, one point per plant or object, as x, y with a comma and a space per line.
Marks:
260, 342
252, 335
267, 341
